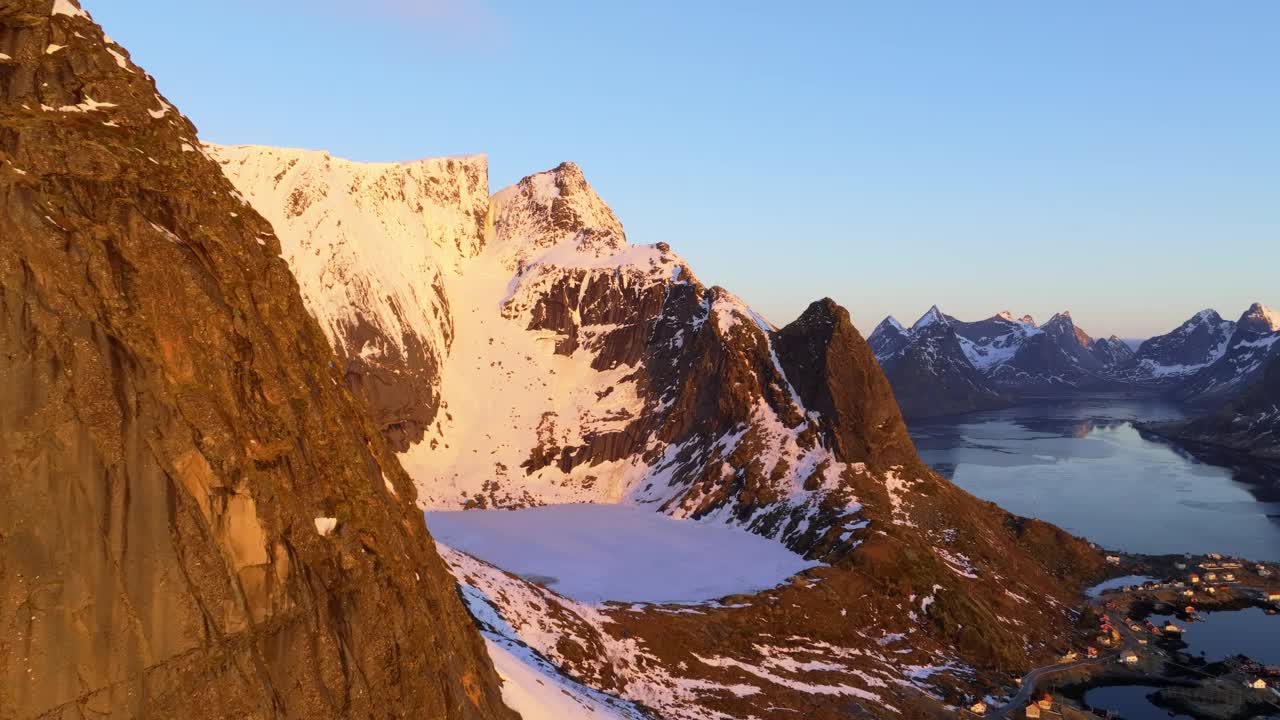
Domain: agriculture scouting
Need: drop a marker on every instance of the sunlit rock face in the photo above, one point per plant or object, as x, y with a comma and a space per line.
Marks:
196, 518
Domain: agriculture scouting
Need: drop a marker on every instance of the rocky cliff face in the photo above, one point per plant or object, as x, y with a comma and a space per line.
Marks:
196, 519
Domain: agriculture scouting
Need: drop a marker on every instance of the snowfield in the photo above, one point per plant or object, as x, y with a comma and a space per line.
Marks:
601, 553
534, 688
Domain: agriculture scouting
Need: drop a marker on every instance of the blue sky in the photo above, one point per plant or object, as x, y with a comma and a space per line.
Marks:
1121, 160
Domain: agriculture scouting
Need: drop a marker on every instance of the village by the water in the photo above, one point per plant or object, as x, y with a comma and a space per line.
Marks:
1168, 636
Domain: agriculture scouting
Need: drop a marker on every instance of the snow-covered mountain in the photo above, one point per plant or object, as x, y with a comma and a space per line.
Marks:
1206, 361
993, 342
1168, 359
371, 246
888, 337
982, 364
573, 366
1112, 352
1253, 343
1056, 359
565, 364
1260, 319
931, 367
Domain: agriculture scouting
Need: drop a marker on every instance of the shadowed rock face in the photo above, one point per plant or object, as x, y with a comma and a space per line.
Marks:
1172, 357
1112, 352
172, 426
1248, 423
1254, 343
835, 373
888, 338
933, 377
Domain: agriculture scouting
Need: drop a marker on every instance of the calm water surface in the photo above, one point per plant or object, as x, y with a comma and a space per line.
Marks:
1220, 635
1083, 466
1130, 701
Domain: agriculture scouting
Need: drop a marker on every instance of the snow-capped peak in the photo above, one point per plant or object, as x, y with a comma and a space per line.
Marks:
1060, 320
1261, 318
553, 208
1008, 317
932, 317
891, 322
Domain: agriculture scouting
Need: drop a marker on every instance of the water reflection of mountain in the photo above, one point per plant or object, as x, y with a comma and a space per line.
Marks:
1070, 427
1090, 468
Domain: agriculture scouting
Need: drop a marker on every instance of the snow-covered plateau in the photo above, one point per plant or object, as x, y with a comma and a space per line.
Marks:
621, 553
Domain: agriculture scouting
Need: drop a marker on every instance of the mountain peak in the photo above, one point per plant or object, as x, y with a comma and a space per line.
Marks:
825, 311
1060, 319
1261, 319
1006, 316
1207, 315
551, 208
891, 323
932, 317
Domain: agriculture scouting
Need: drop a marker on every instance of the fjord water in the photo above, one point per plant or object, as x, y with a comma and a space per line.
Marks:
1129, 701
1220, 635
1084, 466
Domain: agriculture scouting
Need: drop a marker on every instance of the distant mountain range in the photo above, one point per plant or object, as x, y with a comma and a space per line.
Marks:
943, 366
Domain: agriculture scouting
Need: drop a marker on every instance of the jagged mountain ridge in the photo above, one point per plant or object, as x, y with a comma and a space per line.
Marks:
196, 519
1112, 352
1241, 363
944, 366
1165, 360
1206, 361
931, 368
581, 368
888, 337
1057, 358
